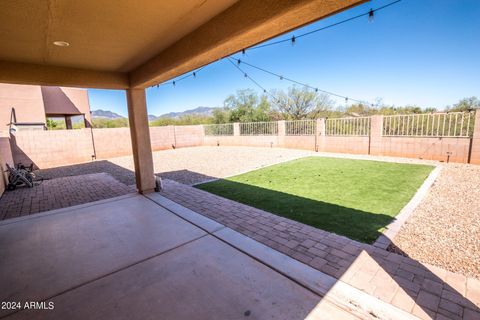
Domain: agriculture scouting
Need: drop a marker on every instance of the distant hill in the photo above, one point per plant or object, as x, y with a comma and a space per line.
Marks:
105, 114
202, 111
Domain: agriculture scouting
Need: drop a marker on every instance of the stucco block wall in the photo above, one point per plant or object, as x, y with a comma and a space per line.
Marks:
48, 149
426, 148
347, 144
162, 138
5, 157
252, 141
188, 136
63, 147
220, 140
299, 142
112, 142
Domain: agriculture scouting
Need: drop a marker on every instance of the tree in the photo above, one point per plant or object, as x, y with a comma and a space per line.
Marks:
188, 119
109, 123
221, 115
360, 109
247, 106
51, 124
466, 104
302, 103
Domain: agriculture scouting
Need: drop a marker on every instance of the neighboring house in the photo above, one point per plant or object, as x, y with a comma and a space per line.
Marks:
25, 107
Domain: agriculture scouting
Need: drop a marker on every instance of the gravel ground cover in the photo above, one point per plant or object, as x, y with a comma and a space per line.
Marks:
444, 230
200, 164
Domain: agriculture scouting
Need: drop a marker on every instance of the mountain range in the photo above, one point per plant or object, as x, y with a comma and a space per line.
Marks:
203, 111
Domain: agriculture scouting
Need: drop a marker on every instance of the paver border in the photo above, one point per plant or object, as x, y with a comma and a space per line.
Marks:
391, 230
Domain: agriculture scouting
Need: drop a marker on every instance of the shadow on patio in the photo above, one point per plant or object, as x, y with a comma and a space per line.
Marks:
424, 290
403, 282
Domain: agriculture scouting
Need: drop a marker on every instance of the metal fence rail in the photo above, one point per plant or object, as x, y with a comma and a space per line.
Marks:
258, 128
454, 124
300, 127
348, 126
218, 129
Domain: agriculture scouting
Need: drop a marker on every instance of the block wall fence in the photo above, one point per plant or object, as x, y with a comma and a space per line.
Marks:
54, 148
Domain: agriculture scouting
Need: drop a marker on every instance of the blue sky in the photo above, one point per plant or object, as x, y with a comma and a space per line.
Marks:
417, 52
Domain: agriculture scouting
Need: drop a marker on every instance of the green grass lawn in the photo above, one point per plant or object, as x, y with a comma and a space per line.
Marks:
355, 198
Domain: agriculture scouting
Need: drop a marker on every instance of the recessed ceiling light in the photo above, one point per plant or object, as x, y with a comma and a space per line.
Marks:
61, 43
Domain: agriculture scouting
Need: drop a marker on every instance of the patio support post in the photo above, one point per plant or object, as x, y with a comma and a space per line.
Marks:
140, 135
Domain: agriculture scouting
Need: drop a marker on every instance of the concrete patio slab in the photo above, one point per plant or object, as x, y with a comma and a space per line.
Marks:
204, 279
43, 257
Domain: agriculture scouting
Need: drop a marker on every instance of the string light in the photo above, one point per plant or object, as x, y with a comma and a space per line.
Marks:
251, 79
299, 83
292, 40
370, 13
188, 75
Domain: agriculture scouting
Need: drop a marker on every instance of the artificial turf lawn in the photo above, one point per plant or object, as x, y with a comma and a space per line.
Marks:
354, 198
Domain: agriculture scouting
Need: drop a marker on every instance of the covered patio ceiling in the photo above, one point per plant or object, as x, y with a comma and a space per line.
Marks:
121, 44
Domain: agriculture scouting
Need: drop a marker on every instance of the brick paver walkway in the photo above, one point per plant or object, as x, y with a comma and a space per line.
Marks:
425, 291
60, 193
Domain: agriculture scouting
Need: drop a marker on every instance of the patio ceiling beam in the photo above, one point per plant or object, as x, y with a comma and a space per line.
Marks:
246, 23
35, 74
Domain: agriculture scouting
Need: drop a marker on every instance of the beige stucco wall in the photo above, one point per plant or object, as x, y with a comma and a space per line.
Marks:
29, 103
51, 148
5, 157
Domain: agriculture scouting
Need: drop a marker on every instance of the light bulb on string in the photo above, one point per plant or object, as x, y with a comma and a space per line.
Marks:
371, 15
